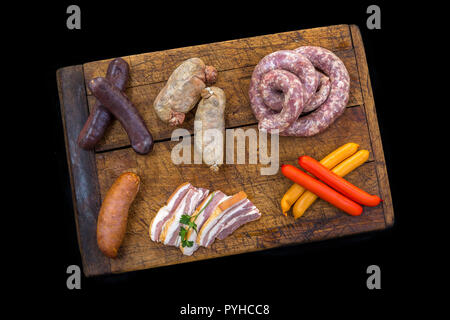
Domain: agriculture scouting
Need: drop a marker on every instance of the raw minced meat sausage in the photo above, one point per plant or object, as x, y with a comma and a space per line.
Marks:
290, 85
286, 60
325, 90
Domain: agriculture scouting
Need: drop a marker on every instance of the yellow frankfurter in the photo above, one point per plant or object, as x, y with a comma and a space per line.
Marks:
330, 161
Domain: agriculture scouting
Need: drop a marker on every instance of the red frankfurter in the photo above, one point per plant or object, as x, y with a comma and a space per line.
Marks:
100, 118
113, 215
338, 183
122, 108
321, 190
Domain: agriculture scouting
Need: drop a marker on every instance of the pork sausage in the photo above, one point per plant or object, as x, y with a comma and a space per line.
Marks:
100, 118
122, 108
335, 104
278, 99
286, 60
291, 86
182, 90
209, 127
113, 215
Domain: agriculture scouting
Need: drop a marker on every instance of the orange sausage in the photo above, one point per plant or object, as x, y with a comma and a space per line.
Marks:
338, 183
113, 215
321, 190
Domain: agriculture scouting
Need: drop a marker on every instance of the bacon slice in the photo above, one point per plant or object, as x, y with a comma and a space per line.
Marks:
233, 214
229, 215
208, 208
166, 212
170, 233
237, 221
216, 217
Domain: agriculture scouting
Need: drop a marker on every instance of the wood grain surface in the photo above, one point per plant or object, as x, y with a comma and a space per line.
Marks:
235, 60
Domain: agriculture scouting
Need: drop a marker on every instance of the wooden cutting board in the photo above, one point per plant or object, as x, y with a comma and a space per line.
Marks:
93, 172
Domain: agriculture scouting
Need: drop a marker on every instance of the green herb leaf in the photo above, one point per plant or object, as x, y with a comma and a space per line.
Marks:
190, 222
189, 243
183, 232
185, 219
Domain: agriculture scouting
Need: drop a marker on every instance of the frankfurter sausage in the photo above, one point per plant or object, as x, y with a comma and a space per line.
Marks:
122, 108
321, 190
113, 215
337, 182
100, 118
182, 90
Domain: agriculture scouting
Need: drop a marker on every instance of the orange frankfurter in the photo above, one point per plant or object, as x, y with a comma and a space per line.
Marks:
321, 190
338, 183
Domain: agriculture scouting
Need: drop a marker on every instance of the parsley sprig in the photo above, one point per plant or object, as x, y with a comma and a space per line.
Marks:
189, 221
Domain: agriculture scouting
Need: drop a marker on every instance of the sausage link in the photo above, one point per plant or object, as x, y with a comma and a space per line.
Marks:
113, 215
291, 86
183, 90
274, 99
325, 94
323, 90
337, 99
209, 127
286, 60
122, 108
100, 118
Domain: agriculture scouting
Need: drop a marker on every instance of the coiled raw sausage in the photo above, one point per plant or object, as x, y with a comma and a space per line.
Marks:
327, 93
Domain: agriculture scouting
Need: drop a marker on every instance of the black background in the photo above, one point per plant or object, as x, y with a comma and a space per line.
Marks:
327, 277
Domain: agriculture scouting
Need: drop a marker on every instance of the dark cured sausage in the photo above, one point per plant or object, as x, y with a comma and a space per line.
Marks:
122, 108
100, 118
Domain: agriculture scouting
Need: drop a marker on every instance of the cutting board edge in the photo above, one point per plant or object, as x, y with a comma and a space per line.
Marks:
372, 122
82, 168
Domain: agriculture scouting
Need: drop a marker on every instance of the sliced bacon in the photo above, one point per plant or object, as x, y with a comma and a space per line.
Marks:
166, 212
216, 216
216, 199
232, 214
170, 233
238, 221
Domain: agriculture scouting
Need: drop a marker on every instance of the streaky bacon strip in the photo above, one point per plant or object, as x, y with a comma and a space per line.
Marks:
235, 212
216, 199
216, 216
166, 212
170, 234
